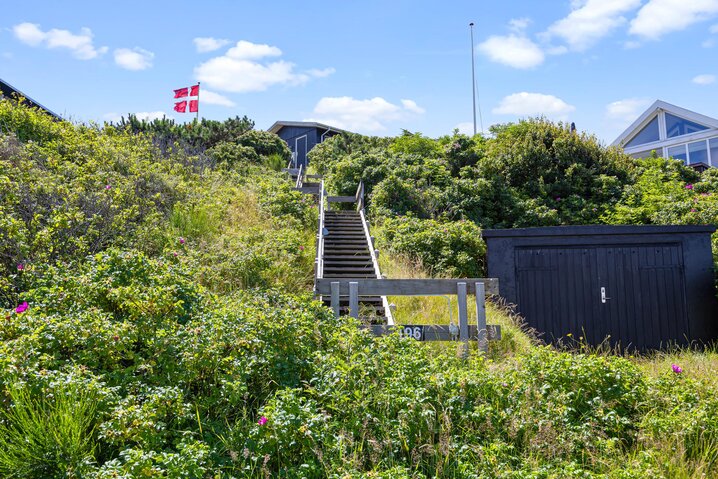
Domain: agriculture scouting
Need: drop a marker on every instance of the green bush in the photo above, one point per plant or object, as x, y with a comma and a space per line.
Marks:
265, 144
453, 249
233, 155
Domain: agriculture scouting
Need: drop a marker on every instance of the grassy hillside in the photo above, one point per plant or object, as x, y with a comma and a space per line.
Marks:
157, 321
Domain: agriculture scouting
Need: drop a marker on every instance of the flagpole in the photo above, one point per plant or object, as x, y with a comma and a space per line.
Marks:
473, 80
198, 89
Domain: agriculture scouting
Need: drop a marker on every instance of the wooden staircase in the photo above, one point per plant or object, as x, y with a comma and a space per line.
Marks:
348, 253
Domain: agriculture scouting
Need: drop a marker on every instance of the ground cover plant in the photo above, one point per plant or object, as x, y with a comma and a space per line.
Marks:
157, 318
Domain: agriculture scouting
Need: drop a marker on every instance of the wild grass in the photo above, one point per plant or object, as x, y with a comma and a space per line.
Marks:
516, 337
49, 437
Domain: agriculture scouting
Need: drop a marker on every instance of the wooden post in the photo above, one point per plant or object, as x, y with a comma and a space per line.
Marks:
335, 298
481, 318
463, 320
354, 299
463, 314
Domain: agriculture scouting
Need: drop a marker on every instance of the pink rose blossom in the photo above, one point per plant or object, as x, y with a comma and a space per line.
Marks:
22, 307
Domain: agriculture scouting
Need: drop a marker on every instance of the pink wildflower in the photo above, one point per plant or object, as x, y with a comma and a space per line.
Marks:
20, 267
693, 210
301, 248
22, 307
107, 187
558, 198
262, 421
677, 369
174, 253
689, 186
181, 240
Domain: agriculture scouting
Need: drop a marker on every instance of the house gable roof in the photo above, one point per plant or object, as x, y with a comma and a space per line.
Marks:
652, 111
8, 90
278, 125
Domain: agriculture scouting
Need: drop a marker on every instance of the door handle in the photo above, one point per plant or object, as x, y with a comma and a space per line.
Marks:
604, 298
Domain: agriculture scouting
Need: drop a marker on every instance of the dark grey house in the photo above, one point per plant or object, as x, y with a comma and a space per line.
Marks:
302, 136
9, 91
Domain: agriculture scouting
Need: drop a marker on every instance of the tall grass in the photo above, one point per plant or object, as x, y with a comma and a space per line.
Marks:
516, 337
48, 437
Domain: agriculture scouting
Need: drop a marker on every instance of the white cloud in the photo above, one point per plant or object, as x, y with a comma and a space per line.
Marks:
362, 115
240, 69
323, 73
80, 45
713, 28
245, 50
465, 128
411, 106
141, 115
135, 59
212, 98
151, 115
518, 25
209, 44
658, 17
591, 20
627, 110
533, 104
704, 79
513, 50
112, 117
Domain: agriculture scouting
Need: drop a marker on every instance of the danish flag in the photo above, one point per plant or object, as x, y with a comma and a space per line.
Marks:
181, 106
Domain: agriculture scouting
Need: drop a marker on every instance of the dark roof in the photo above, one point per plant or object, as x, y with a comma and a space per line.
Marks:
596, 230
278, 125
10, 91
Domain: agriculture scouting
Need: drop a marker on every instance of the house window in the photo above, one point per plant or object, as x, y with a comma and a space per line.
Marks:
676, 126
648, 134
714, 151
678, 153
698, 152
648, 153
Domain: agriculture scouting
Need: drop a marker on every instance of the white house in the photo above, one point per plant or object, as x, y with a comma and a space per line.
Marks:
673, 132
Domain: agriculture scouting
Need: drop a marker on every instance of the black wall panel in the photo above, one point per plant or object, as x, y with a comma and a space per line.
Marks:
637, 286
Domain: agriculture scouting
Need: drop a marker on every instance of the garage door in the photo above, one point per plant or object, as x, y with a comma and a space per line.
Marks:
634, 295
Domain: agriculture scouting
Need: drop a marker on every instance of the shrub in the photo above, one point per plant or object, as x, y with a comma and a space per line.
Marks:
453, 249
265, 144
233, 155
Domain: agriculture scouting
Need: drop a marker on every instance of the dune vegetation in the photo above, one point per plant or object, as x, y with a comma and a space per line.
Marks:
157, 316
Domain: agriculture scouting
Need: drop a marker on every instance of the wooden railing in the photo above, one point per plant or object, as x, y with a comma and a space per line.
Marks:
480, 287
319, 261
300, 177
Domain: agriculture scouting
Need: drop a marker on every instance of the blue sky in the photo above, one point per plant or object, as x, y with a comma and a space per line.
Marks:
374, 67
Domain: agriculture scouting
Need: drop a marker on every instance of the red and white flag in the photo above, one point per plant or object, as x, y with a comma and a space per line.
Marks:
181, 92
181, 106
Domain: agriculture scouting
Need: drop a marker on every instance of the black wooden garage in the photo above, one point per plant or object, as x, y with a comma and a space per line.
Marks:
642, 287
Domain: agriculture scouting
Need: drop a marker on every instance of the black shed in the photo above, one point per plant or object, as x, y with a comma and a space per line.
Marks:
302, 136
644, 287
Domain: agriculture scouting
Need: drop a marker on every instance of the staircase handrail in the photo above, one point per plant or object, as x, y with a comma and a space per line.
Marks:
319, 262
359, 197
300, 180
